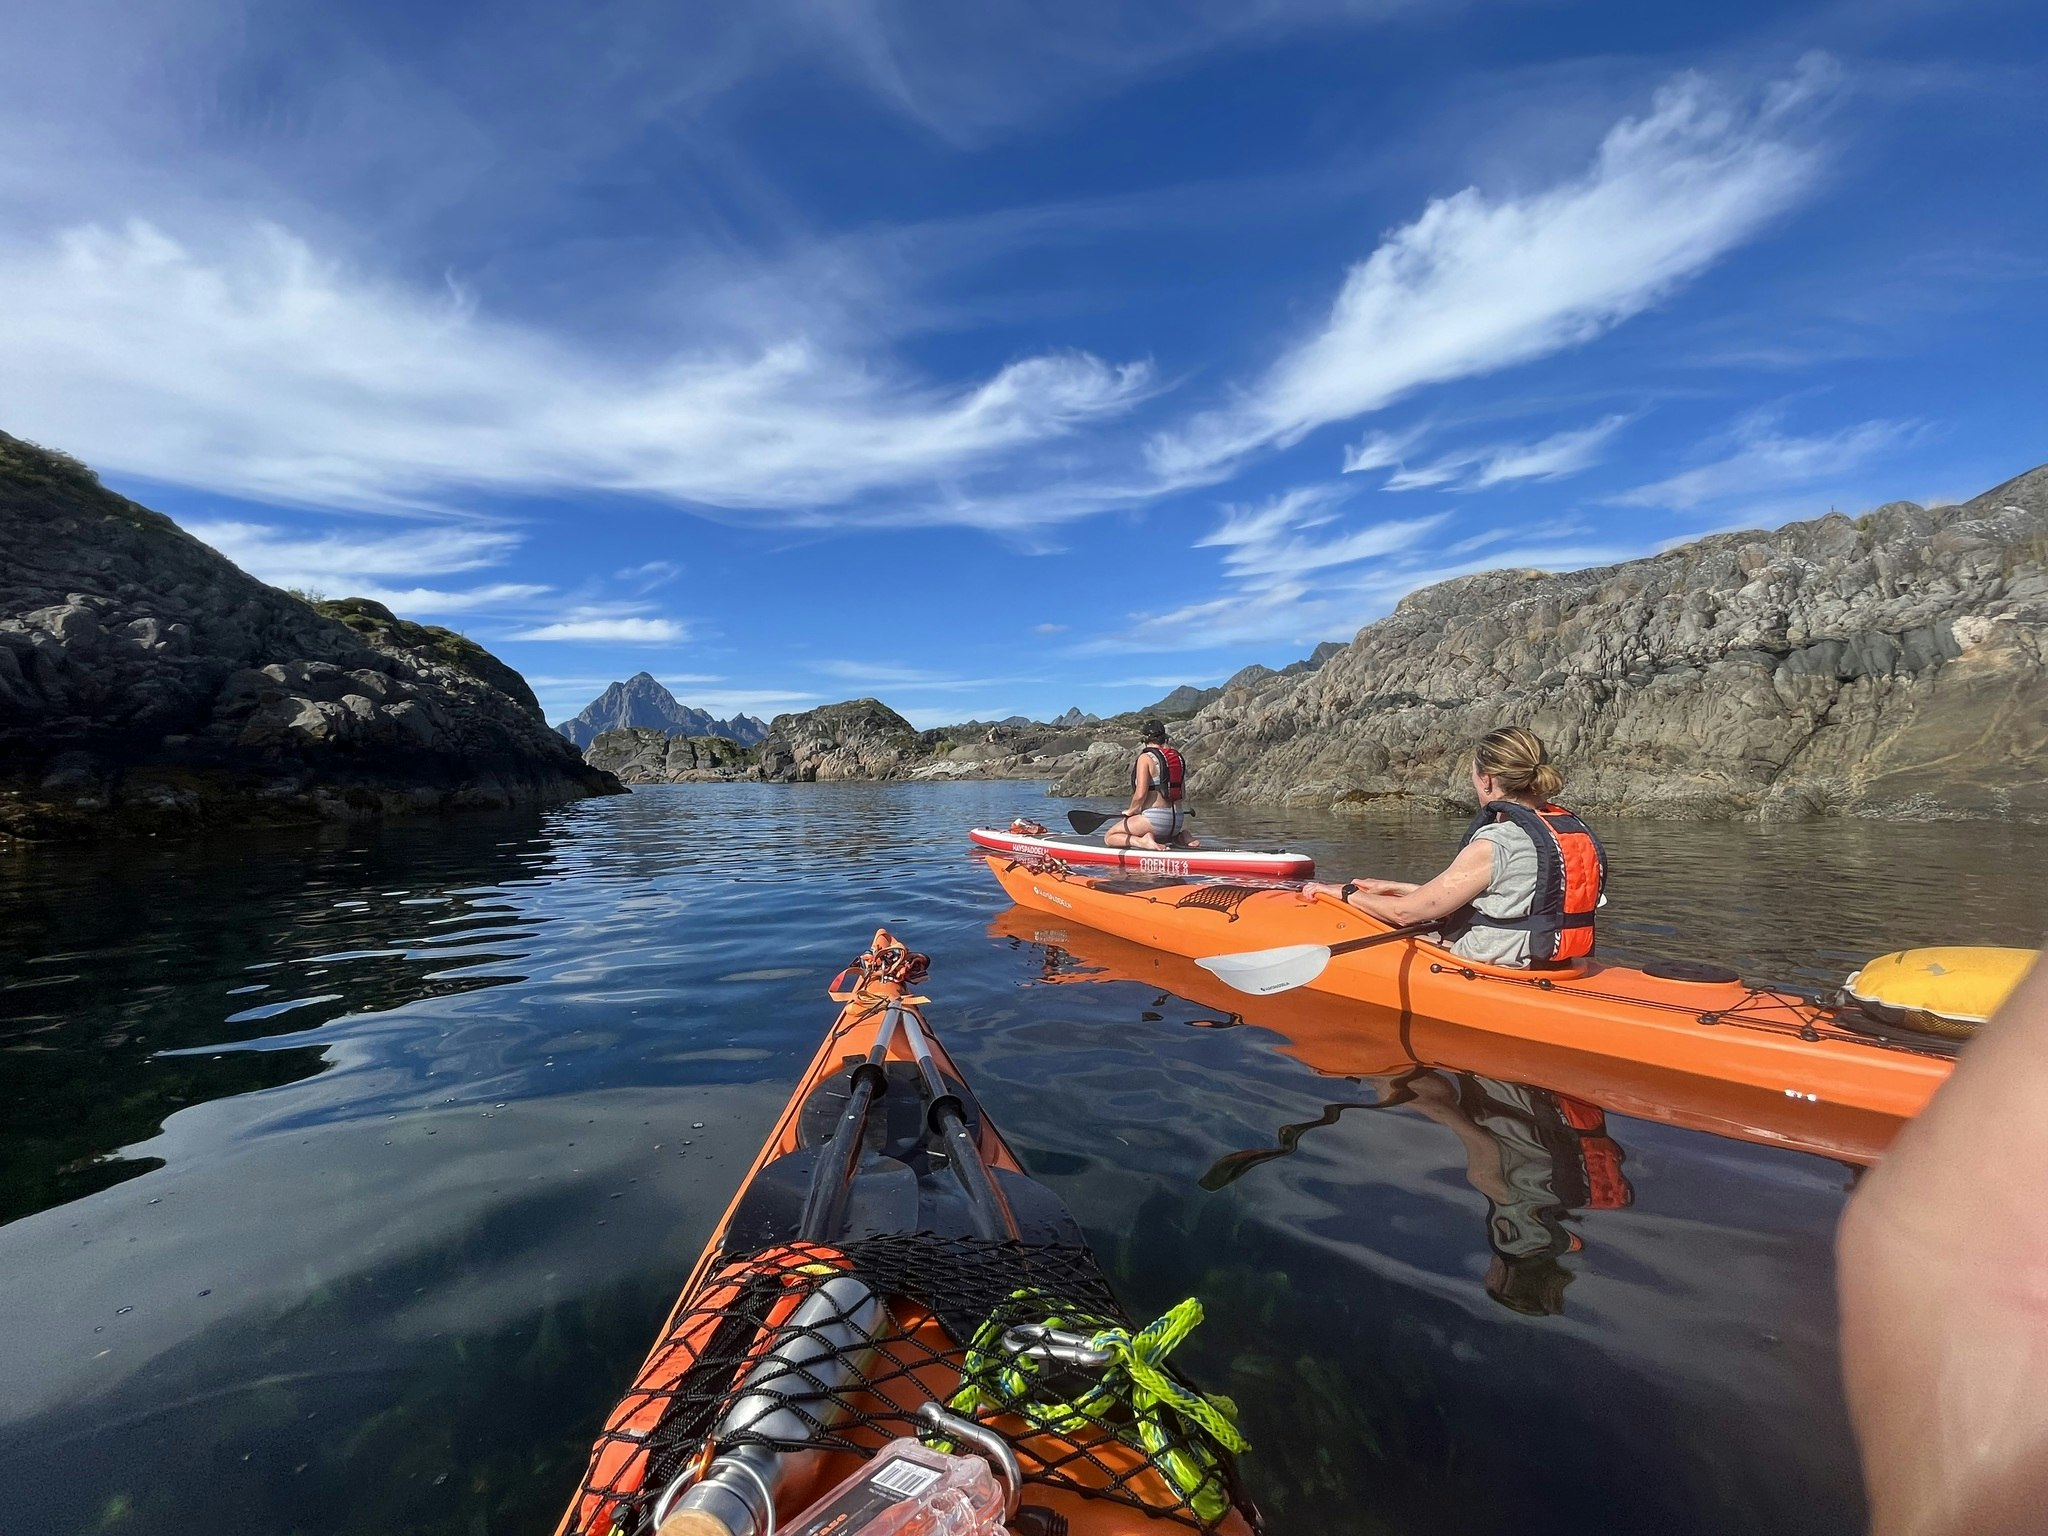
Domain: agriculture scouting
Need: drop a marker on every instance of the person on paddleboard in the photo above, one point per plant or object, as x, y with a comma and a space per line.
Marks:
1527, 878
1157, 815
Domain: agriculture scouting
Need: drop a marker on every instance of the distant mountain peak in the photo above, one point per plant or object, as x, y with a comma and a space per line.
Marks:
641, 700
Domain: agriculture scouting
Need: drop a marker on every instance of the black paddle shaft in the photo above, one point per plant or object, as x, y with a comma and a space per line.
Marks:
832, 1177
993, 1219
1406, 931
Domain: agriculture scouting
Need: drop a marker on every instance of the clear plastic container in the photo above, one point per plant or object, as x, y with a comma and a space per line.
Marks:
908, 1490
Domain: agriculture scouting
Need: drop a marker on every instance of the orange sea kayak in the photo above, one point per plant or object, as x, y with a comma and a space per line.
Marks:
1705, 1034
1340, 1037
888, 1268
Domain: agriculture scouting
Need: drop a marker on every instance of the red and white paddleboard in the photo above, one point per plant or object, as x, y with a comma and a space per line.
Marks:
1171, 861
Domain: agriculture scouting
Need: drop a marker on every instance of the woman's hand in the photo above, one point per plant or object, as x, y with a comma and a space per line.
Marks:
1384, 887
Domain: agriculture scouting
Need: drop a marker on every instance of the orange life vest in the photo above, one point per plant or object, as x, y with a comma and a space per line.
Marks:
1571, 872
1172, 777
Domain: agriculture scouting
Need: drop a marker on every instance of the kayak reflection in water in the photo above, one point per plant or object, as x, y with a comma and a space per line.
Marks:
1157, 816
1527, 878
1538, 1157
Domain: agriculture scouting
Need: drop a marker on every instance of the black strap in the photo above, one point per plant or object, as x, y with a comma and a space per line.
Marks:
1535, 922
1344, 891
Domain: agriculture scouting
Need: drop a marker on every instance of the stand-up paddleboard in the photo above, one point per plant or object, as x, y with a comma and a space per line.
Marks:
1088, 851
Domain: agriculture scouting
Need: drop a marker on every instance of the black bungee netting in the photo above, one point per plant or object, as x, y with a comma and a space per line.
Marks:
860, 1380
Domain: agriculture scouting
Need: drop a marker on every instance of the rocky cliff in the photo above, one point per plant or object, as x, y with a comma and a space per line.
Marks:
642, 701
147, 683
1887, 665
637, 755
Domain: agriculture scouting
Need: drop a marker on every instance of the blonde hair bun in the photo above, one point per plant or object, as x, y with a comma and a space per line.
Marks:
1516, 756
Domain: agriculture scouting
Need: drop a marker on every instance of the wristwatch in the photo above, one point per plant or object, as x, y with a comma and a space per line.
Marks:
1344, 891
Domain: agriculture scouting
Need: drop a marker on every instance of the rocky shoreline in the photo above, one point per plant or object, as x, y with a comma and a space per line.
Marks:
148, 685
1891, 665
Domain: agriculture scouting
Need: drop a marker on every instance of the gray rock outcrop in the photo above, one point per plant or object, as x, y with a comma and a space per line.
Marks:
146, 683
637, 755
859, 739
1894, 664
642, 701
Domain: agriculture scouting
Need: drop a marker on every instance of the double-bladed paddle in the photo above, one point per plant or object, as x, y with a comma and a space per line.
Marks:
1265, 971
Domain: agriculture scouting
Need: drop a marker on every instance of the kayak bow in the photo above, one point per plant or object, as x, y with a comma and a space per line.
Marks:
887, 1269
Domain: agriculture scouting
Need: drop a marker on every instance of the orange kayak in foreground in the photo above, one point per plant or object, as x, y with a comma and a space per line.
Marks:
1338, 1037
886, 1255
1718, 1036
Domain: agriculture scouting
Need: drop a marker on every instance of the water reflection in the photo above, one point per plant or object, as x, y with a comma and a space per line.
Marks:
350, 1173
1538, 1158
1341, 1037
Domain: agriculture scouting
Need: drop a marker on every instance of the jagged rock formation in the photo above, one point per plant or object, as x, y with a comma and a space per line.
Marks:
1186, 700
637, 755
1888, 665
859, 739
147, 683
642, 701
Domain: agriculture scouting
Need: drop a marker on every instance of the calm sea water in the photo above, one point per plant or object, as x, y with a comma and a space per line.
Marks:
345, 1176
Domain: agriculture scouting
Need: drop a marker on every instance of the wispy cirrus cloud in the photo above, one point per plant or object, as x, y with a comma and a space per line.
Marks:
1266, 546
1478, 469
1290, 580
616, 631
1481, 282
256, 365
361, 563
1764, 459
1381, 450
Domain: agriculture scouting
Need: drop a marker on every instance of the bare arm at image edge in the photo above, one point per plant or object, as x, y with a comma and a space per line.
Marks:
1942, 1265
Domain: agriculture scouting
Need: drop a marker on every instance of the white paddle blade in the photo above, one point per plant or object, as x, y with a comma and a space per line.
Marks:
1264, 971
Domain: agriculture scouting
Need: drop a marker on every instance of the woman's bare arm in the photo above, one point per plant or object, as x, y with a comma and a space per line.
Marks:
1395, 901
1942, 1265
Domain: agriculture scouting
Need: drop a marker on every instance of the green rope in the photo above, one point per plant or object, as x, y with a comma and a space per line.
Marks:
1135, 1378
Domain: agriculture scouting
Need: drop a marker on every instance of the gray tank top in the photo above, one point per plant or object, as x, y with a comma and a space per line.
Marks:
1511, 893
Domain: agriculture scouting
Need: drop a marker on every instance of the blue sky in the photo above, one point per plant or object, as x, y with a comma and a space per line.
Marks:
996, 358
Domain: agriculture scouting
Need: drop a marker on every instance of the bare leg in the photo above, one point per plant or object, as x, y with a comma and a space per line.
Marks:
1134, 831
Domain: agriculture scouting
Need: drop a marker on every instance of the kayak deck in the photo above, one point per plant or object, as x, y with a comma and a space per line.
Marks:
913, 1291
1725, 1032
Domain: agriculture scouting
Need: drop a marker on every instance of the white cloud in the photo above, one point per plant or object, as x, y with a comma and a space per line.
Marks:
1481, 282
260, 367
1561, 454
361, 564
645, 578
1380, 450
264, 550
1048, 629
1247, 525
1477, 469
1266, 548
1765, 459
620, 631
1302, 613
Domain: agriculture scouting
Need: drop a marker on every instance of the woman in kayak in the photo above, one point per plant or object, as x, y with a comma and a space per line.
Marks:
1157, 815
1526, 879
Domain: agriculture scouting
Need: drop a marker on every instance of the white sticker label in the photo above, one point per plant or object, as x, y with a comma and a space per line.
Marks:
905, 1478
